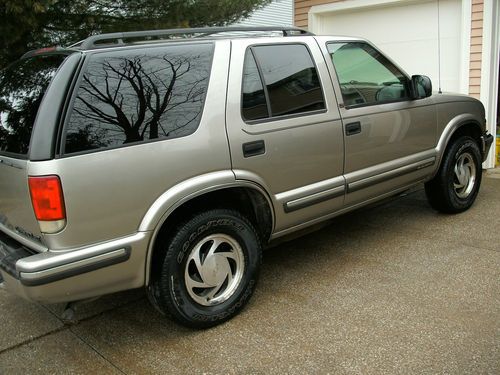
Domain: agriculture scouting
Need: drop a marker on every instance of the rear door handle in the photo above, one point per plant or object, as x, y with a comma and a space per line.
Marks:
353, 128
254, 148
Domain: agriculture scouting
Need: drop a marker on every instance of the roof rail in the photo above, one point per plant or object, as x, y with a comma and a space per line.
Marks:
117, 39
46, 51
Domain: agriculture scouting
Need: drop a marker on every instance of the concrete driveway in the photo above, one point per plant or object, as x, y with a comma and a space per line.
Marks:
392, 289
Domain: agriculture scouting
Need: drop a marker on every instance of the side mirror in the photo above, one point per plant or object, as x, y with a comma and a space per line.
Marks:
421, 87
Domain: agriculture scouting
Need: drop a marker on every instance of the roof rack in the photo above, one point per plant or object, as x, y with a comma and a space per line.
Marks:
117, 39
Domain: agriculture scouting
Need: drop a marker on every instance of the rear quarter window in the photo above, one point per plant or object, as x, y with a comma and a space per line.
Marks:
139, 95
22, 87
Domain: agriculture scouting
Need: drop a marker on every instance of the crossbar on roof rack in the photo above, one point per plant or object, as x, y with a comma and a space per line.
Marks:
118, 38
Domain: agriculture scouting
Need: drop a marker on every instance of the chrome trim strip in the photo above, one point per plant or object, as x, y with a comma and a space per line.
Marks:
52, 259
373, 180
310, 200
11, 162
277, 129
75, 268
389, 166
38, 247
320, 219
308, 190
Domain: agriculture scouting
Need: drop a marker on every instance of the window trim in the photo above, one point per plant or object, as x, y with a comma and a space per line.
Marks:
272, 118
362, 105
264, 87
61, 147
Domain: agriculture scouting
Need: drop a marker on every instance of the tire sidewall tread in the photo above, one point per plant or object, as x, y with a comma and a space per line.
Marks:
168, 292
440, 190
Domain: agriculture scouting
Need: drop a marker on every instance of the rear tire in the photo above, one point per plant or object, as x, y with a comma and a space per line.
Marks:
456, 185
209, 269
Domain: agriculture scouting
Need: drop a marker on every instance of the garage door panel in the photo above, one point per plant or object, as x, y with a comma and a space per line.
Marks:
408, 34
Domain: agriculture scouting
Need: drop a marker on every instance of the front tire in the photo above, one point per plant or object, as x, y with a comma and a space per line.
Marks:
209, 269
456, 185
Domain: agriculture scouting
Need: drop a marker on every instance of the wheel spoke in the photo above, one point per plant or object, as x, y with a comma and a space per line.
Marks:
213, 292
216, 242
468, 164
196, 255
230, 254
191, 283
467, 176
457, 173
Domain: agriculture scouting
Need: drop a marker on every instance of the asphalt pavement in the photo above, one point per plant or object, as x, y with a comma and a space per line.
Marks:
395, 288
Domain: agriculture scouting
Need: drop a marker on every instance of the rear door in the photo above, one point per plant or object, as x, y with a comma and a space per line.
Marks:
284, 126
22, 88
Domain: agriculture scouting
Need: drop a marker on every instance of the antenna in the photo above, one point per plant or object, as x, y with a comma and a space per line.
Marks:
439, 51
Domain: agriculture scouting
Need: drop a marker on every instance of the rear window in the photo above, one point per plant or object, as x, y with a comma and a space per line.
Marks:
139, 95
22, 86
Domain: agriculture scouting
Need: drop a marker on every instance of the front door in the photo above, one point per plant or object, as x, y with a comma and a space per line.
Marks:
389, 138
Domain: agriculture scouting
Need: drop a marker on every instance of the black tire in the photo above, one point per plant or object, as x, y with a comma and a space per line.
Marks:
171, 290
446, 192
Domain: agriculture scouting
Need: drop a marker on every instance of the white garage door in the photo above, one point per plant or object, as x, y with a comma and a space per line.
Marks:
407, 32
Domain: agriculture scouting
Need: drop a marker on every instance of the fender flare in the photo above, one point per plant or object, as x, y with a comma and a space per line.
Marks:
450, 129
183, 192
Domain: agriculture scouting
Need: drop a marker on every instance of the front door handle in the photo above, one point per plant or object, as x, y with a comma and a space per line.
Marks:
353, 128
254, 148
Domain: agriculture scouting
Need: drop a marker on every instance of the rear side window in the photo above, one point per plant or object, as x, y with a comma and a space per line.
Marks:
139, 95
22, 87
289, 81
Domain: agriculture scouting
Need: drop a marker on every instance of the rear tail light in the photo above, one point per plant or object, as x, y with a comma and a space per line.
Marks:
48, 202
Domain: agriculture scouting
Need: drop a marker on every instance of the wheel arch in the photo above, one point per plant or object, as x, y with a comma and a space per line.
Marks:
464, 124
247, 197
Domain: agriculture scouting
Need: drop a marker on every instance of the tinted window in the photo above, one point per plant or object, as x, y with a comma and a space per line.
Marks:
254, 101
365, 75
134, 96
22, 86
291, 79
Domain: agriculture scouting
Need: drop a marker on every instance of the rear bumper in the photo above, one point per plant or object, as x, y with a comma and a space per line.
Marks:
62, 276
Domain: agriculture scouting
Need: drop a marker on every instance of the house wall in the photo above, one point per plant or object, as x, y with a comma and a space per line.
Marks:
476, 44
277, 13
302, 9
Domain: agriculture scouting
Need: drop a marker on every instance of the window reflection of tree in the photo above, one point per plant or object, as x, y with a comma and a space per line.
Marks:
134, 98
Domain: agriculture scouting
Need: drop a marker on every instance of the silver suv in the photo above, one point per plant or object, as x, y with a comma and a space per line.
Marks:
168, 159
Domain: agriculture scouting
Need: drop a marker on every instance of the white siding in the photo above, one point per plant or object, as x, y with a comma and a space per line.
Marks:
278, 13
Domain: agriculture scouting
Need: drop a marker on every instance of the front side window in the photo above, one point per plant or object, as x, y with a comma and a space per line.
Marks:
290, 82
366, 76
139, 95
22, 87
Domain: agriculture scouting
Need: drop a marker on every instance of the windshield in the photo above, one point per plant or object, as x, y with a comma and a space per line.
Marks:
22, 86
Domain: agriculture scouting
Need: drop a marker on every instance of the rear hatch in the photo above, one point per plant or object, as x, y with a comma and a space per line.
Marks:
22, 88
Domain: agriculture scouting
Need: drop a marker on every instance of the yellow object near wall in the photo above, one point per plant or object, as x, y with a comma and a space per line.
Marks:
498, 151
